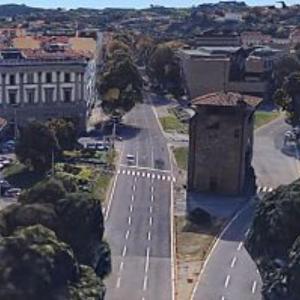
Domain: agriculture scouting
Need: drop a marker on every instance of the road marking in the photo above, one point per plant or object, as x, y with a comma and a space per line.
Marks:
123, 172
148, 175
133, 187
152, 198
143, 174
174, 179
254, 287
152, 189
132, 198
119, 171
227, 281
150, 221
264, 189
146, 169
121, 266
118, 282
163, 177
124, 251
133, 173
150, 209
153, 176
158, 176
233, 262
128, 172
127, 234
240, 246
147, 263
169, 178
222, 298
129, 220
137, 173
270, 190
149, 236
135, 179
145, 283
130, 207
247, 232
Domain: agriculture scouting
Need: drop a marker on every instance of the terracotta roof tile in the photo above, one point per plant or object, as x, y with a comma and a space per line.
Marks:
226, 99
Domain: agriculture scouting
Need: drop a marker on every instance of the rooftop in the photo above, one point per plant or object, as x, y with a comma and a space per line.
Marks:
226, 99
211, 51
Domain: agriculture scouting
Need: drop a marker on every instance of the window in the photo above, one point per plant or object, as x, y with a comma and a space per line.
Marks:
12, 97
12, 79
48, 77
67, 95
49, 92
67, 77
30, 78
30, 96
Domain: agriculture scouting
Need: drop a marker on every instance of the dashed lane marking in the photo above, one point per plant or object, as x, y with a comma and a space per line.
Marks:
240, 246
118, 282
233, 262
226, 284
124, 251
127, 234
253, 290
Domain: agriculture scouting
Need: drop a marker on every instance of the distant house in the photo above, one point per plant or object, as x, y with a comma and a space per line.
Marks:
255, 38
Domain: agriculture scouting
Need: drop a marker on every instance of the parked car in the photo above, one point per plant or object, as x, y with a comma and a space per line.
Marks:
4, 186
13, 192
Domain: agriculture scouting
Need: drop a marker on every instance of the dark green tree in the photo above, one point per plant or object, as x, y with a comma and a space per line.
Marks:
65, 133
35, 146
36, 265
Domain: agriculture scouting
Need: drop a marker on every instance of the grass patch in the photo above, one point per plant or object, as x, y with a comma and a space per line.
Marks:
171, 123
101, 184
181, 156
264, 117
20, 176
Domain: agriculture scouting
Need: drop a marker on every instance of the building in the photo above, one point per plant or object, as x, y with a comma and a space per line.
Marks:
217, 39
235, 69
221, 141
36, 85
255, 38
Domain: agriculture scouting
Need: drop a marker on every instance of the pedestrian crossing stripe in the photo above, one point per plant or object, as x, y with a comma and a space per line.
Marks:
264, 189
147, 175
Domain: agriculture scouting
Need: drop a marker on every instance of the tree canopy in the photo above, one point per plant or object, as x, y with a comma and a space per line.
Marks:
274, 242
35, 264
35, 146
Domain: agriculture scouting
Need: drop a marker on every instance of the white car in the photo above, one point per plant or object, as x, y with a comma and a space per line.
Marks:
130, 159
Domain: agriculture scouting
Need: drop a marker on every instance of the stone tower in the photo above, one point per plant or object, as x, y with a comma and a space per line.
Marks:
221, 142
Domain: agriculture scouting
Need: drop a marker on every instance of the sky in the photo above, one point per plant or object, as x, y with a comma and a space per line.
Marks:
127, 3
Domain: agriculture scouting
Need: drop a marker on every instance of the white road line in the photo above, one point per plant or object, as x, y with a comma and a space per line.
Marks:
137, 158
158, 176
163, 177
127, 234
132, 198
254, 287
133, 187
227, 281
129, 220
130, 207
147, 263
174, 179
148, 175
240, 246
150, 221
143, 174
121, 266
146, 169
128, 172
264, 189
233, 262
152, 198
138, 173
247, 232
152, 189
270, 190
118, 282
118, 172
222, 298
169, 178
153, 176
149, 236
123, 172
150, 209
133, 173
145, 283
124, 251
135, 179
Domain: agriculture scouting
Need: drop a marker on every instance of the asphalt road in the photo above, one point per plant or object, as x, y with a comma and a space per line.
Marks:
230, 272
138, 224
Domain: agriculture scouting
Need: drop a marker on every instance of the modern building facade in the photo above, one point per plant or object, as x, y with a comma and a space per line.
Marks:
41, 86
221, 141
235, 69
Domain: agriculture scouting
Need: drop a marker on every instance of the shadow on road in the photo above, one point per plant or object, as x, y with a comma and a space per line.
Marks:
128, 132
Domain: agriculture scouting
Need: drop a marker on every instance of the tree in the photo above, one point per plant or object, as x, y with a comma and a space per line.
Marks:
65, 133
274, 242
36, 265
76, 218
120, 86
35, 146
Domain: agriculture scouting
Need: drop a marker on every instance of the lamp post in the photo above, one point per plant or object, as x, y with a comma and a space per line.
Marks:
15, 106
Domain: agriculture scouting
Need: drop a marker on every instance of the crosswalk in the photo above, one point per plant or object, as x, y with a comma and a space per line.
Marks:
264, 189
147, 174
